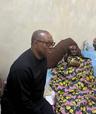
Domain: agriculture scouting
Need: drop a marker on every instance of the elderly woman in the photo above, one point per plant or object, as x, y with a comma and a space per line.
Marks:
74, 85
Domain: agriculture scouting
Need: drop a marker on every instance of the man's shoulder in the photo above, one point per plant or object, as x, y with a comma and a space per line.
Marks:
24, 61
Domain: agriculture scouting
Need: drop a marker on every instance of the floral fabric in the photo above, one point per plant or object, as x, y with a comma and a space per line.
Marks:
75, 88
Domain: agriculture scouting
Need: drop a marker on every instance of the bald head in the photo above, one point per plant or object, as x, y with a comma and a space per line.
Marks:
39, 35
41, 42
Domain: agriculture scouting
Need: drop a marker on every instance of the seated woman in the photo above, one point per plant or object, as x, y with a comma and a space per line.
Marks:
74, 85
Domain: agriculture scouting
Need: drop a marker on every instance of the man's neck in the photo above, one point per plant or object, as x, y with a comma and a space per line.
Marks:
35, 53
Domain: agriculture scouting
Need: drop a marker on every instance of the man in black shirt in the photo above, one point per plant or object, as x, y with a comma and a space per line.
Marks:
23, 93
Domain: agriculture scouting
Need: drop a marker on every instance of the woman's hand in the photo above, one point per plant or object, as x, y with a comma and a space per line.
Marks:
74, 63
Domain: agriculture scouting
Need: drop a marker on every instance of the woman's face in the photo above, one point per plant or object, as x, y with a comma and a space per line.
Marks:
73, 50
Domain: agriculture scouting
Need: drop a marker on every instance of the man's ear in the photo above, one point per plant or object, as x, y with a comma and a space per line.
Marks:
35, 42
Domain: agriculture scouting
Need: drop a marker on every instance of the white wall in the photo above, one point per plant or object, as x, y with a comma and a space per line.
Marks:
62, 18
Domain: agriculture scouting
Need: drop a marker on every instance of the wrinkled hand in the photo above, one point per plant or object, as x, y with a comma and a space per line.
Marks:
74, 63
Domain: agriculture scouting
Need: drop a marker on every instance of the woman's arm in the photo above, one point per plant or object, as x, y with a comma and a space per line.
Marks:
59, 51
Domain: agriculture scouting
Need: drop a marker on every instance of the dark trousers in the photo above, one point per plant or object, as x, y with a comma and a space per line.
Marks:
45, 108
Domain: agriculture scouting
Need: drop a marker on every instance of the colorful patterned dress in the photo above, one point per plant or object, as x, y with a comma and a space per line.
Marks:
75, 88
